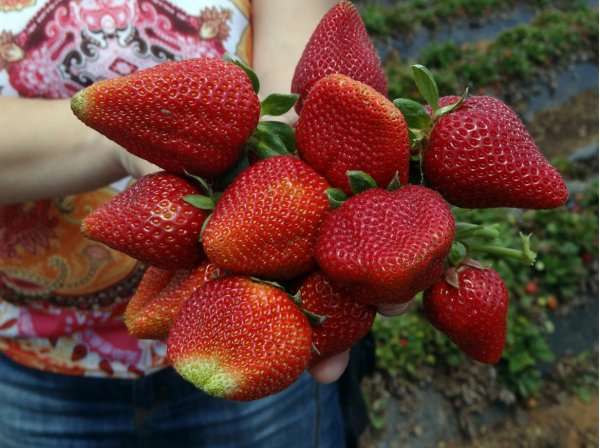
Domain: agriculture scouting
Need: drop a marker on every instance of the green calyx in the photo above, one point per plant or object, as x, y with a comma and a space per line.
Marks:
271, 139
359, 182
313, 319
419, 120
203, 202
277, 104
253, 77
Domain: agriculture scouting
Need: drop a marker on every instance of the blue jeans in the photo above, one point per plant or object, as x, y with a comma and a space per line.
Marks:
42, 410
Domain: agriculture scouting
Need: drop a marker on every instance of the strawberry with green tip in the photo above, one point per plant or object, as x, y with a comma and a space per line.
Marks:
150, 221
189, 116
339, 44
345, 125
160, 295
239, 339
266, 222
385, 246
346, 321
473, 313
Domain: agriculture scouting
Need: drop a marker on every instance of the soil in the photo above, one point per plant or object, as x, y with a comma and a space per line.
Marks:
570, 425
559, 130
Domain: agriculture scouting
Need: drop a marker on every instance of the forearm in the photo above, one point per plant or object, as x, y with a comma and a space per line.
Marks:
45, 151
281, 31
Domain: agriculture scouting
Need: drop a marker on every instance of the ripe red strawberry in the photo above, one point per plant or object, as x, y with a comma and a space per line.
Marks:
347, 125
385, 246
339, 44
481, 156
239, 339
193, 115
159, 297
266, 222
151, 222
473, 315
346, 320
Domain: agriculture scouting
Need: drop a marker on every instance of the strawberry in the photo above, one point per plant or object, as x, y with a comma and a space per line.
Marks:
346, 320
151, 222
266, 222
193, 115
239, 339
473, 315
481, 155
346, 125
339, 44
161, 293
385, 246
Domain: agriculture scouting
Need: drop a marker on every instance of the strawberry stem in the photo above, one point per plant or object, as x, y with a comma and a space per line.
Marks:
466, 230
525, 254
457, 254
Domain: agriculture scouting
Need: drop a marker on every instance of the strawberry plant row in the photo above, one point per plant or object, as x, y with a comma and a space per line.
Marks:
517, 56
388, 19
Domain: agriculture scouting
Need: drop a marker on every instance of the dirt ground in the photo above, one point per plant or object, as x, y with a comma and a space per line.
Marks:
570, 425
561, 130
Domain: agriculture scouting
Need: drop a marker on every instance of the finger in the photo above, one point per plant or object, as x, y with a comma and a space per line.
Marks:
394, 309
330, 369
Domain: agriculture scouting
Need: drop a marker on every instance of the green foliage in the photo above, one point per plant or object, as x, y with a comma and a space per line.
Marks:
405, 345
554, 38
525, 349
402, 18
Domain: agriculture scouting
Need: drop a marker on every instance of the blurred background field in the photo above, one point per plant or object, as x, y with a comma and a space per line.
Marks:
541, 58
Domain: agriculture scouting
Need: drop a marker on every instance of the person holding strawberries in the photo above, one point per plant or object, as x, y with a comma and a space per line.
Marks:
70, 374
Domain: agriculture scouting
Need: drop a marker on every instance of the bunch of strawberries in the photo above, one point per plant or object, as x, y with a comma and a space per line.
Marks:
269, 246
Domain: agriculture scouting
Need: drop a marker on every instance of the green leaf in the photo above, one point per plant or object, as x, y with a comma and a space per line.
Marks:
520, 360
204, 224
451, 107
336, 197
248, 70
274, 142
264, 151
200, 201
360, 181
283, 130
203, 182
427, 86
415, 138
277, 104
314, 319
415, 115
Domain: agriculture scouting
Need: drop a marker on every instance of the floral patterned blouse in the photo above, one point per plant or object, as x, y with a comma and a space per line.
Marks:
62, 296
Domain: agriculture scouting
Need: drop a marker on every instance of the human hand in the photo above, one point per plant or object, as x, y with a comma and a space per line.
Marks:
133, 165
330, 369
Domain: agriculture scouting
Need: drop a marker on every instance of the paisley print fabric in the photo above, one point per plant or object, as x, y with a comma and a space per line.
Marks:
62, 296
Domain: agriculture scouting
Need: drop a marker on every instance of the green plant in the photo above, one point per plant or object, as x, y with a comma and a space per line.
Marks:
525, 350
406, 345
517, 55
